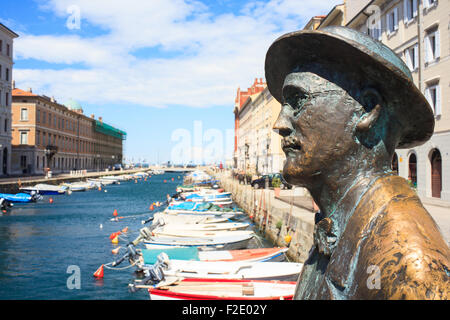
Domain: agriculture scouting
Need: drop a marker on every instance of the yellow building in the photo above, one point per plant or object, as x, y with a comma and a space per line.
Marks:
258, 147
417, 30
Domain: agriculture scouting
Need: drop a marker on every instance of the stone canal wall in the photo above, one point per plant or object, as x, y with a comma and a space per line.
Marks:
275, 218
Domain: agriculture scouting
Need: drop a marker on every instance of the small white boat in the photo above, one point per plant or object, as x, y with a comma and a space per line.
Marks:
226, 242
222, 289
285, 271
164, 219
45, 189
188, 227
162, 232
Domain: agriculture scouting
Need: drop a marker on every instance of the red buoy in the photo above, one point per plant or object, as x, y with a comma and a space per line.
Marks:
115, 213
99, 272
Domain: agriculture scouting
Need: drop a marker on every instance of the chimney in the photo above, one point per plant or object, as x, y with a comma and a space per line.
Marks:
30, 90
100, 119
92, 116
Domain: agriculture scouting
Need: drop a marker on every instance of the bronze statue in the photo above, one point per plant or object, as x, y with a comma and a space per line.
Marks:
348, 102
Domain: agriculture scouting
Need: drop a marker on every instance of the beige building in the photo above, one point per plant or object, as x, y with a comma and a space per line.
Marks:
418, 31
6, 66
47, 134
258, 147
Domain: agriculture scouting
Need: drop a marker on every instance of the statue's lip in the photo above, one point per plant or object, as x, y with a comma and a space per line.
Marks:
291, 148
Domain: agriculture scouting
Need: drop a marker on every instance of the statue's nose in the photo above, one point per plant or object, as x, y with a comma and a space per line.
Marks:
283, 125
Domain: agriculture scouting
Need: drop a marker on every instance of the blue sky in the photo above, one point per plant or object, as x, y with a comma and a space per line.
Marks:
157, 69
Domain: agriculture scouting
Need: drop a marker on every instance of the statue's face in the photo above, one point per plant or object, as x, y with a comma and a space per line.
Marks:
317, 122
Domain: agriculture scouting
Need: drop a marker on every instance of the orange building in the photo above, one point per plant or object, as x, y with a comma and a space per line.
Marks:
46, 134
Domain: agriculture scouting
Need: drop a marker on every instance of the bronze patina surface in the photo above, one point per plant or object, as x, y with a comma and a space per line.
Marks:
347, 103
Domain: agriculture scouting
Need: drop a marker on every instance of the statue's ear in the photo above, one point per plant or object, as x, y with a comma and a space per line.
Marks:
371, 101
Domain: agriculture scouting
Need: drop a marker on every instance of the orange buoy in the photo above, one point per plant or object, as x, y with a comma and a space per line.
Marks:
99, 272
50, 200
116, 250
99, 188
125, 230
151, 207
172, 179
115, 213
165, 181
114, 234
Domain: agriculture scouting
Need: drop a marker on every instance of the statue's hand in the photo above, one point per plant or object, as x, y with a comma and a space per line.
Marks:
324, 239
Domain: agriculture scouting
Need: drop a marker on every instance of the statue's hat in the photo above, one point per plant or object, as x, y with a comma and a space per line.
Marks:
360, 53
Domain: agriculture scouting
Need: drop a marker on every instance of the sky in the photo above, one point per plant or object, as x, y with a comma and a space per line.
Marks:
164, 71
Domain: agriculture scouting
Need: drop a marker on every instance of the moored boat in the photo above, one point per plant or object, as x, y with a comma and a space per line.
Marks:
286, 271
223, 289
226, 242
45, 189
149, 256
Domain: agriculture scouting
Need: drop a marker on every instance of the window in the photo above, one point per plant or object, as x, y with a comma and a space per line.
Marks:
0, 71
24, 114
432, 46
410, 10
7, 99
433, 95
8, 49
38, 115
429, 3
44, 116
7, 74
412, 57
23, 161
49, 119
38, 138
23, 137
43, 138
1, 45
392, 21
6, 125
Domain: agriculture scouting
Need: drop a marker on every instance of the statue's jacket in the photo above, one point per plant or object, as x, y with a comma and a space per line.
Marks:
391, 248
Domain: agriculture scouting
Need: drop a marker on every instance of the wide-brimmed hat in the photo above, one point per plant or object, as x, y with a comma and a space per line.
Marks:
357, 52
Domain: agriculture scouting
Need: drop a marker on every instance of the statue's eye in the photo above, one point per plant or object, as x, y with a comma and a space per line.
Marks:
297, 100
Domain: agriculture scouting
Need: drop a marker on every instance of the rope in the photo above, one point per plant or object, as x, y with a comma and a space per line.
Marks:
122, 268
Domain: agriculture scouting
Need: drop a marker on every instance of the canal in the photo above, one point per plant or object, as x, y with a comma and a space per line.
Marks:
41, 244
40, 241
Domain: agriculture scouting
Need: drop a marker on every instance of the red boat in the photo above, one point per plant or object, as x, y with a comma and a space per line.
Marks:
223, 289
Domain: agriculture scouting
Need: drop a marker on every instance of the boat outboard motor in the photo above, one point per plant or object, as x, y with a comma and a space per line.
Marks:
145, 233
131, 255
4, 204
154, 275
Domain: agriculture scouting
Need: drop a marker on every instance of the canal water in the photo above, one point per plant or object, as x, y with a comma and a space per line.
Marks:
41, 244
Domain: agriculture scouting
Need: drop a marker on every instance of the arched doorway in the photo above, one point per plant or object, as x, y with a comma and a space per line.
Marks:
5, 161
412, 172
436, 174
394, 164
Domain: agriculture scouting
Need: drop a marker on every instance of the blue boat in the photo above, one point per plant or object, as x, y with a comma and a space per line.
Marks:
18, 197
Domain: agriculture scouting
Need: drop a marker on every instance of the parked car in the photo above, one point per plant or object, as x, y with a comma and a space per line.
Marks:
261, 182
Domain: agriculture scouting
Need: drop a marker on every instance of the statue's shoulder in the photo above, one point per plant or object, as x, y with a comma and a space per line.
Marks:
402, 242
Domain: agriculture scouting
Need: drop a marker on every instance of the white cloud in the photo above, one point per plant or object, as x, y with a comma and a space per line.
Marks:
209, 56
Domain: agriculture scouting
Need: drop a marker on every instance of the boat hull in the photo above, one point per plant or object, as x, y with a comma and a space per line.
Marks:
224, 289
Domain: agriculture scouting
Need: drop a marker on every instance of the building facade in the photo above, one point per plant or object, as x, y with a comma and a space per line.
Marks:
6, 66
258, 148
418, 32
47, 135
